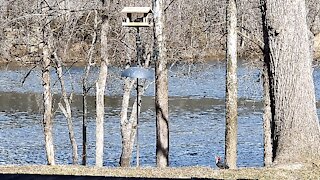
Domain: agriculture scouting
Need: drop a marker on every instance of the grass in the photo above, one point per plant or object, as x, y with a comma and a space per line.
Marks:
181, 172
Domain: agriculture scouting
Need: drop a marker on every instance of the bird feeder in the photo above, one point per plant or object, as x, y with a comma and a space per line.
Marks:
136, 17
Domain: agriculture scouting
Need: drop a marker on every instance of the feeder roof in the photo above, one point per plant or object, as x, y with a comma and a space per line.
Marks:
136, 10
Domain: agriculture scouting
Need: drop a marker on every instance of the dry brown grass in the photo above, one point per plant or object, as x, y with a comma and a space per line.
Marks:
183, 172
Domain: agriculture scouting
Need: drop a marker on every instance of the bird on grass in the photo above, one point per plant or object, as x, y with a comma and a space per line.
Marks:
220, 164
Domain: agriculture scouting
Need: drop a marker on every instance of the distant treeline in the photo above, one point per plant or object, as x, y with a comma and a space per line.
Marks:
195, 30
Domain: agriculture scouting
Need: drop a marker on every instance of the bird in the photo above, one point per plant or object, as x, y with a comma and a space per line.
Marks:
220, 164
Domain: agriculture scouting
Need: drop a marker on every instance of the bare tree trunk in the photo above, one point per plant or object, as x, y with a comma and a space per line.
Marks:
295, 125
267, 119
231, 87
128, 127
162, 111
85, 90
100, 86
47, 102
84, 117
66, 109
45, 45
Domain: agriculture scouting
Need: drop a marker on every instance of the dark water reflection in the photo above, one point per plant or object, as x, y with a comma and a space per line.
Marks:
197, 114
197, 131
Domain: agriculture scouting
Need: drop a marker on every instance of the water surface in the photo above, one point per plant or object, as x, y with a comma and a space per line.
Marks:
197, 117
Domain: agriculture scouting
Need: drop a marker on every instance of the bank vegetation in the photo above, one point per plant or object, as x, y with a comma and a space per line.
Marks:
195, 30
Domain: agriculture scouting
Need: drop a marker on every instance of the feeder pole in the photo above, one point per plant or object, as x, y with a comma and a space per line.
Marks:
138, 44
137, 133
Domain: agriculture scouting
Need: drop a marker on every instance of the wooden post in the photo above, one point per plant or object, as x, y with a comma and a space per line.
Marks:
137, 131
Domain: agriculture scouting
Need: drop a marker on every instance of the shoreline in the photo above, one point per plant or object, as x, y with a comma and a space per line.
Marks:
169, 172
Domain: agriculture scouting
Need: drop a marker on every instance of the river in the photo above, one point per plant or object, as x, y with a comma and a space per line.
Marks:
197, 117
